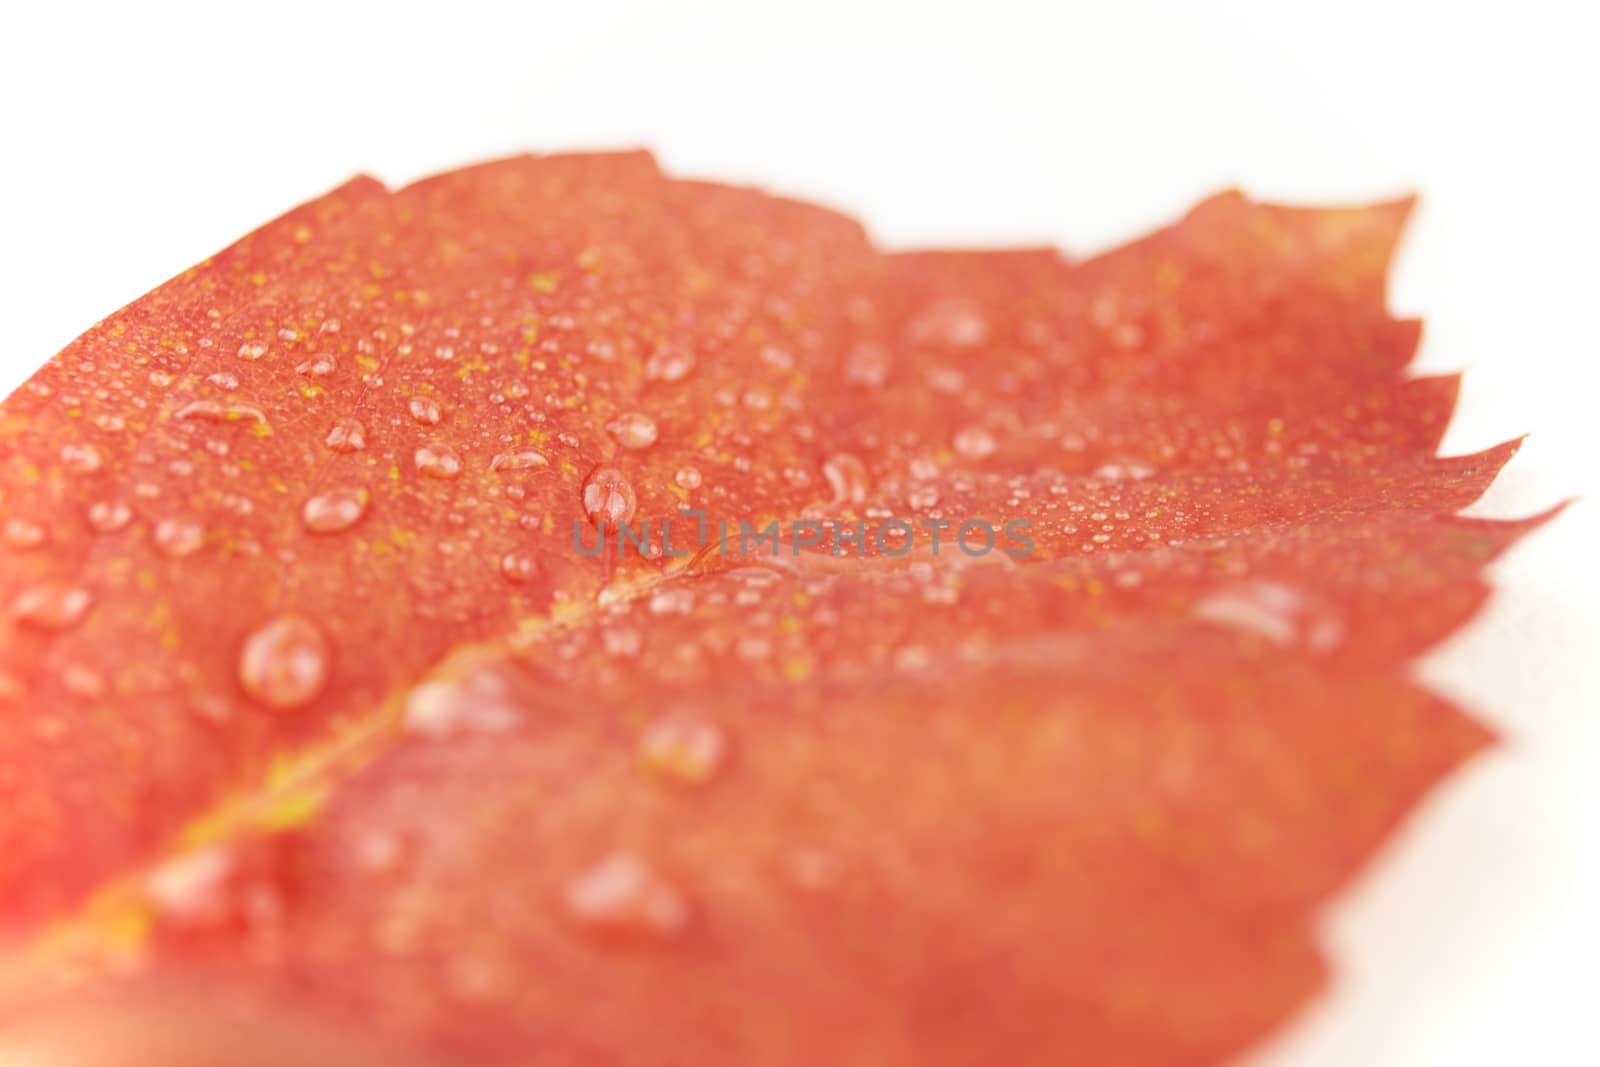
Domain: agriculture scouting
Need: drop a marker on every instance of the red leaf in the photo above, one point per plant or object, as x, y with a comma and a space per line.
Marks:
319, 722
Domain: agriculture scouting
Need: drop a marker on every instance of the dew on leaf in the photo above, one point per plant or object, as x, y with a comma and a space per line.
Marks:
526, 459
518, 567
346, 435
622, 896
214, 411
22, 534
684, 747
179, 537
51, 605
482, 701
320, 365
335, 510
867, 365
975, 442
81, 458
952, 323
109, 516
285, 663
608, 496
425, 410
1276, 612
847, 477
669, 363
437, 460
192, 890
632, 430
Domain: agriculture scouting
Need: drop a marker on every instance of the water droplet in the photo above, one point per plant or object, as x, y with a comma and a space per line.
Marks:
335, 510
81, 458
437, 460
687, 478
669, 363
108, 516
975, 443
953, 323
527, 459
252, 350
1274, 611
923, 497
223, 380
284, 663
51, 605
482, 701
867, 365
82, 682
622, 896
192, 890
1119, 469
632, 430
346, 435
318, 366
673, 601
683, 747
22, 534
179, 537
518, 567
622, 642
847, 477
425, 410
212, 411
608, 496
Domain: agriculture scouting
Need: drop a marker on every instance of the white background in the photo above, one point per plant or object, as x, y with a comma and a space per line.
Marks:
137, 140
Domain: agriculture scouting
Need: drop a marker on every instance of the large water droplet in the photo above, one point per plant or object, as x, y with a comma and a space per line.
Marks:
527, 459
687, 478
213, 411
682, 746
51, 605
437, 460
608, 496
347, 435
632, 430
284, 663
334, 510
252, 351
623, 897
178, 537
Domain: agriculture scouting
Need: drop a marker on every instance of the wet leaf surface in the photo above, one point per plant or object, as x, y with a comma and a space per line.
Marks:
317, 695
